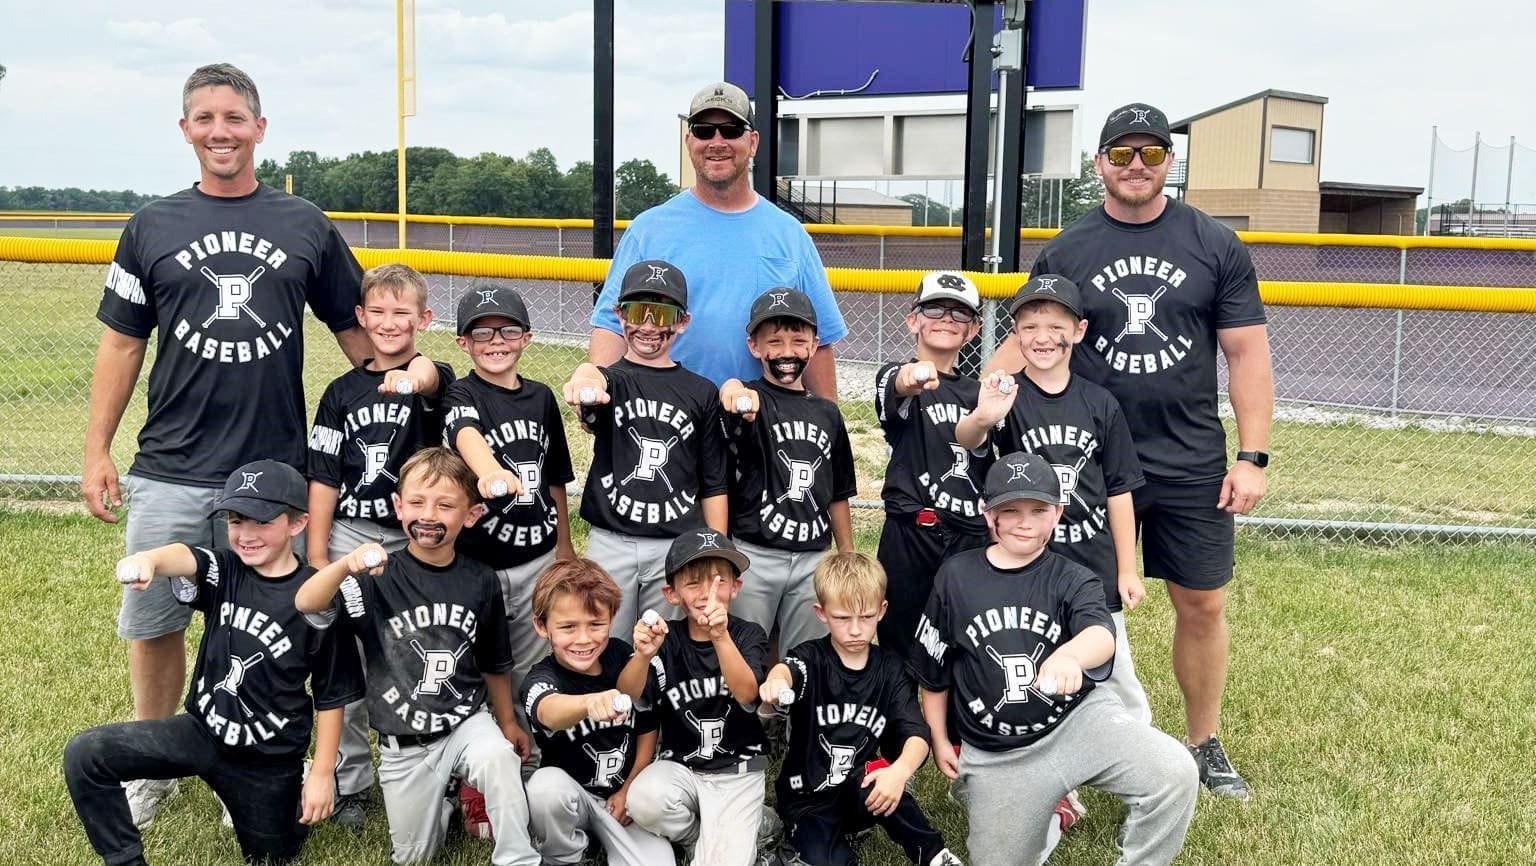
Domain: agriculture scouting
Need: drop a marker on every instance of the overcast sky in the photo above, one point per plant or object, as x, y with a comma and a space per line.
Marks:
92, 95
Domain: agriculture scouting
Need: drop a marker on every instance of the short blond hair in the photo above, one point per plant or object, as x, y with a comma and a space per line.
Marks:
397, 280
852, 580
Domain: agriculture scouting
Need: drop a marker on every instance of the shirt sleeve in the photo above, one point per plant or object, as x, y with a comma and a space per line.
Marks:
930, 662
338, 286
830, 326
459, 413
752, 642
335, 670
323, 462
1122, 469
1086, 607
493, 641
845, 474
903, 711
890, 406
626, 255
800, 660
712, 452
538, 685
1237, 296
200, 590
126, 306
557, 460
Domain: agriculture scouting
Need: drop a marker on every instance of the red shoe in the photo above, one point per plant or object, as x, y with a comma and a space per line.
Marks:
1070, 810
476, 822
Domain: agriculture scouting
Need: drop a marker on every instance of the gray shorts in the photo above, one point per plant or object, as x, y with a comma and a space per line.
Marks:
639, 567
161, 513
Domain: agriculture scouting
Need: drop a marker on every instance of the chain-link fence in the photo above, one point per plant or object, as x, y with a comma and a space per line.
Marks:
1391, 421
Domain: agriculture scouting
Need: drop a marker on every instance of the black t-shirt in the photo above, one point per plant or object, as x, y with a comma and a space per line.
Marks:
526, 432
1084, 436
429, 635
928, 469
658, 449
987, 630
702, 725
842, 718
599, 756
257, 650
225, 280
1154, 295
791, 463
361, 438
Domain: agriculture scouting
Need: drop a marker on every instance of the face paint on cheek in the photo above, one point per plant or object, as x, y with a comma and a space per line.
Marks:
426, 532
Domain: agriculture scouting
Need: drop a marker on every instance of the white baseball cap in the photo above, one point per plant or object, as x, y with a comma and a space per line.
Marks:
947, 286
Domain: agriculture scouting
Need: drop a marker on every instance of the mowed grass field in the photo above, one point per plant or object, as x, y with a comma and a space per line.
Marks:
1380, 704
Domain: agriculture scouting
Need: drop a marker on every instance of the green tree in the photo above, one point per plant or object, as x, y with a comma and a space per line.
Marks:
637, 186
927, 212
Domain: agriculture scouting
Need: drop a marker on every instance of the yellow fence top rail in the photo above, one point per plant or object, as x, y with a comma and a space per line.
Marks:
513, 267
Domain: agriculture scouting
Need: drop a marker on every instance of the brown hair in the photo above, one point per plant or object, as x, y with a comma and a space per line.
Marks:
853, 579
437, 463
704, 567
396, 279
1042, 304
220, 75
582, 578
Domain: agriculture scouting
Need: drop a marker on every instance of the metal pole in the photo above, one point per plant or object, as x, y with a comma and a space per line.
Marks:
1509, 179
1429, 200
973, 232
401, 35
765, 82
602, 133
1477, 150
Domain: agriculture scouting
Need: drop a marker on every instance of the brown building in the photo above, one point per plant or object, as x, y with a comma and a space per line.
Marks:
1253, 164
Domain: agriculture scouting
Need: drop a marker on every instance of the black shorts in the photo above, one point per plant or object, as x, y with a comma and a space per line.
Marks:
1185, 538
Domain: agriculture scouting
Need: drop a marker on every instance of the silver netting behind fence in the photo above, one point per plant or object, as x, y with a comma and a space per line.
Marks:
1403, 419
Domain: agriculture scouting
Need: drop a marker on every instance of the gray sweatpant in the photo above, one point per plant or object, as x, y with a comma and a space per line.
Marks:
639, 567
415, 781
1122, 682
354, 757
527, 647
564, 816
778, 590
716, 814
1009, 795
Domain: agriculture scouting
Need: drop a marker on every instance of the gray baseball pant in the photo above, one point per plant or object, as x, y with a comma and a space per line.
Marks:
639, 567
354, 757
717, 815
527, 647
564, 816
1010, 795
1122, 682
778, 589
415, 780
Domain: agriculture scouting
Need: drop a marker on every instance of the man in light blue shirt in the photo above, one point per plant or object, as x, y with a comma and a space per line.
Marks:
731, 245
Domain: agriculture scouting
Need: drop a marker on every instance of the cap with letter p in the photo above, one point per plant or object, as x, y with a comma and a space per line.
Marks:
488, 299
1138, 117
1048, 287
947, 286
724, 96
654, 277
696, 544
1021, 475
781, 303
262, 490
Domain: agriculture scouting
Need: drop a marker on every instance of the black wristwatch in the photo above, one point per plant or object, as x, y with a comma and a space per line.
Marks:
1257, 458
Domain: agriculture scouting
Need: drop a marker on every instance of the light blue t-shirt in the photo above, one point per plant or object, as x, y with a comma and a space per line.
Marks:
728, 260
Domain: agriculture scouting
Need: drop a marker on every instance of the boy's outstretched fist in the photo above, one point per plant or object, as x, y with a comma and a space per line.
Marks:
917, 376
136, 571
367, 558
650, 629
587, 387
738, 399
499, 483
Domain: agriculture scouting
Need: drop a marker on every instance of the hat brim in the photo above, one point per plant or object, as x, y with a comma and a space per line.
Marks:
1167, 140
734, 557
733, 113
258, 509
919, 301
1016, 495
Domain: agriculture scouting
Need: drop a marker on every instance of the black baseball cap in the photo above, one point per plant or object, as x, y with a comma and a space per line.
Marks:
654, 277
488, 299
702, 544
262, 490
1138, 117
782, 303
1021, 475
1048, 287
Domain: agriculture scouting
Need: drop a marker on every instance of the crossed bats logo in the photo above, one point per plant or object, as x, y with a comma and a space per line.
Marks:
1047, 285
658, 274
487, 296
779, 299
1017, 471
709, 540
1141, 116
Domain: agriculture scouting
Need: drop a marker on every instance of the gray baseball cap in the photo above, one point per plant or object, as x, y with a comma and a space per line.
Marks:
1048, 287
262, 490
725, 96
487, 299
781, 303
1021, 475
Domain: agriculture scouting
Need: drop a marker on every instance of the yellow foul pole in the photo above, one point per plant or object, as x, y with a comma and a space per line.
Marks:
405, 96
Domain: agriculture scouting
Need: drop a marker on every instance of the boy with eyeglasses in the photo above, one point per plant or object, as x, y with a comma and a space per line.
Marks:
658, 455
509, 429
371, 420
932, 487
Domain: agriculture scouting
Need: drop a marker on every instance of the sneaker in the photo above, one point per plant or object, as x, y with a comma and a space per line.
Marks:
1216, 772
227, 820
769, 831
1070, 810
945, 858
349, 811
476, 822
146, 797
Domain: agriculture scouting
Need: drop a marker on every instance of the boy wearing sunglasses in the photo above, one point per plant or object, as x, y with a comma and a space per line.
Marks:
658, 452
932, 487
1165, 286
369, 421
509, 429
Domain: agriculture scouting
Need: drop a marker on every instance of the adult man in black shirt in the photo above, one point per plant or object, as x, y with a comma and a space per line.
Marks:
1163, 286
223, 271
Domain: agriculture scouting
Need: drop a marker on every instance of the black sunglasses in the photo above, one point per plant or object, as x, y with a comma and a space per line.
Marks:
729, 130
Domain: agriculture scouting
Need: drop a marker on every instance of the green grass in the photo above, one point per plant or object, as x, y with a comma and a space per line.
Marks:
1379, 703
